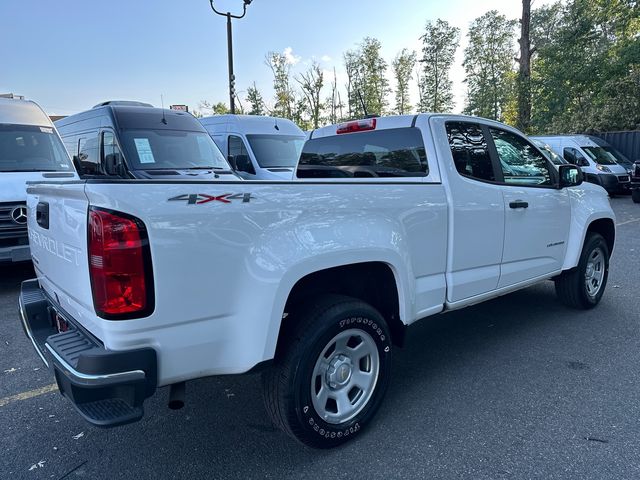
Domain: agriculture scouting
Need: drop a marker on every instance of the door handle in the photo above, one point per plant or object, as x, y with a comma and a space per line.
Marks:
519, 204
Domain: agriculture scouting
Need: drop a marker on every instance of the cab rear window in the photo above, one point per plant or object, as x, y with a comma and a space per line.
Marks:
398, 152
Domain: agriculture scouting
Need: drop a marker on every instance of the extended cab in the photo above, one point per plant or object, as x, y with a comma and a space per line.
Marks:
142, 284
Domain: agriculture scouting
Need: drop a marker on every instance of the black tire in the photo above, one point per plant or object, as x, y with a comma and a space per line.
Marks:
635, 195
571, 285
288, 385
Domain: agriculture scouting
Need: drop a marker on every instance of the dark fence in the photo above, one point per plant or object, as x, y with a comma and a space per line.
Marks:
627, 142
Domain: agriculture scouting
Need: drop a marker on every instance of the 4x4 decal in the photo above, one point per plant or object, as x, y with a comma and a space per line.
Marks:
200, 198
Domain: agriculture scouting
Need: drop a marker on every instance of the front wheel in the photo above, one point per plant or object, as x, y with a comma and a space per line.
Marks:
635, 195
333, 373
583, 286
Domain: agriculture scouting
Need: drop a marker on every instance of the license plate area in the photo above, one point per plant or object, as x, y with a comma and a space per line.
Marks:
59, 323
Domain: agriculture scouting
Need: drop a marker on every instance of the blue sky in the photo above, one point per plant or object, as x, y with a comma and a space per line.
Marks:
71, 54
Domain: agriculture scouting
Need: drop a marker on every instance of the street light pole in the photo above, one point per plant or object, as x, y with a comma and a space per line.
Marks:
232, 77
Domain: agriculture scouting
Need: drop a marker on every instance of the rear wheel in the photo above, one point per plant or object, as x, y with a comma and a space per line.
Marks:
331, 377
635, 195
583, 286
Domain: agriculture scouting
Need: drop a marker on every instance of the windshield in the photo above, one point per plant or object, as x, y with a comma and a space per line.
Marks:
600, 155
276, 150
27, 148
171, 150
619, 157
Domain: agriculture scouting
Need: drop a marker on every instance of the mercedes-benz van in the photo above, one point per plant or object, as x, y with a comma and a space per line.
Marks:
30, 150
262, 148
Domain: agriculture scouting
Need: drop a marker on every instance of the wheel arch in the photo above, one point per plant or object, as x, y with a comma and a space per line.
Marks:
375, 282
604, 226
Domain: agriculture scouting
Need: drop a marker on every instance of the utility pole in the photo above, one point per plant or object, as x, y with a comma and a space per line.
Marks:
232, 77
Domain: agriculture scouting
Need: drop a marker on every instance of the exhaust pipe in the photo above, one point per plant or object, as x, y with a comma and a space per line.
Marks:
176, 396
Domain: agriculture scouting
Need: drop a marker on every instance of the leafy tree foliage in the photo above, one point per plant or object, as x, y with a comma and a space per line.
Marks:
311, 83
367, 83
586, 72
285, 101
488, 61
439, 44
255, 101
402, 71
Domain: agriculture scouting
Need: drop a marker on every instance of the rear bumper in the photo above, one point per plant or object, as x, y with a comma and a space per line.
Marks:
19, 253
108, 388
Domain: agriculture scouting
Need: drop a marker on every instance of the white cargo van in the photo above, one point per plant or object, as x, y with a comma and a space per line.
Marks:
30, 150
598, 165
258, 147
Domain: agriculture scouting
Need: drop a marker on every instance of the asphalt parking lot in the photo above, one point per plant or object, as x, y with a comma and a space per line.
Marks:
518, 387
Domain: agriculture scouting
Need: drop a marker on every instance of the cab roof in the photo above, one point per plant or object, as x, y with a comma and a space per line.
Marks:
22, 112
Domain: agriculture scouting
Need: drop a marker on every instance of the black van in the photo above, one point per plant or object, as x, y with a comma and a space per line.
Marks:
135, 140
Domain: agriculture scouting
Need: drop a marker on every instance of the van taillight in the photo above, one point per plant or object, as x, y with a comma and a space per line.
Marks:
357, 126
119, 265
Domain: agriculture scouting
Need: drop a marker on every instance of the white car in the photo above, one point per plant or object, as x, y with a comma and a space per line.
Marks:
260, 148
598, 165
30, 150
313, 281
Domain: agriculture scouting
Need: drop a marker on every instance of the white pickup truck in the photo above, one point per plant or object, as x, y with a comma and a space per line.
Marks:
145, 283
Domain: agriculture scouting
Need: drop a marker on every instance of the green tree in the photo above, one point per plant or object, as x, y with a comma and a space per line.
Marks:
439, 44
311, 83
334, 102
488, 61
367, 84
219, 108
524, 71
402, 71
285, 101
586, 72
255, 101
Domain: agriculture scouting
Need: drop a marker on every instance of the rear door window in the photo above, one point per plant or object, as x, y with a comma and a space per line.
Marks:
398, 152
470, 151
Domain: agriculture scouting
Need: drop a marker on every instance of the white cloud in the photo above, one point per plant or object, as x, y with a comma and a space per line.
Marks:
290, 57
325, 58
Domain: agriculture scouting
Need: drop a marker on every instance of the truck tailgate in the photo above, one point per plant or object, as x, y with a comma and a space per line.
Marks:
58, 240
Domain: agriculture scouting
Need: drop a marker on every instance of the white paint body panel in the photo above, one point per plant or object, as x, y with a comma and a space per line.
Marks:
223, 272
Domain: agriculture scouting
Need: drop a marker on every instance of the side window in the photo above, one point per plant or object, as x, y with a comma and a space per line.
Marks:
396, 152
111, 159
470, 151
239, 151
572, 155
521, 163
88, 154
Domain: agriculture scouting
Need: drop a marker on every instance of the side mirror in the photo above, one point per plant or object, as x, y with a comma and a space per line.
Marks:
232, 161
77, 165
583, 162
243, 164
570, 176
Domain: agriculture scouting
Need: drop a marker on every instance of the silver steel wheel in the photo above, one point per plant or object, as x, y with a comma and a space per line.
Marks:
345, 376
594, 273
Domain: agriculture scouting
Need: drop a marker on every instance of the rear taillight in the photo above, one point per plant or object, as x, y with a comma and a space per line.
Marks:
357, 126
119, 265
